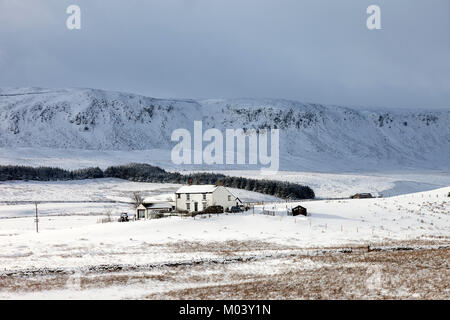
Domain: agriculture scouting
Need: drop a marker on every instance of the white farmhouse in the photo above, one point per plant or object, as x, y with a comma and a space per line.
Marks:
194, 198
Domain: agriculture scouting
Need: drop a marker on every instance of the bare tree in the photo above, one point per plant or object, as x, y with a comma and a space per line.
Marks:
106, 219
137, 199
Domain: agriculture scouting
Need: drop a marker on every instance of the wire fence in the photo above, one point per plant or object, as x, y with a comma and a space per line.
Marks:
410, 195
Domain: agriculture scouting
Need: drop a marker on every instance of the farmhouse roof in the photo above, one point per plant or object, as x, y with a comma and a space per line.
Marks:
200, 188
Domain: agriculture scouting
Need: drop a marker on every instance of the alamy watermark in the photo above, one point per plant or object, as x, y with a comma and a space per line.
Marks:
73, 22
252, 147
373, 22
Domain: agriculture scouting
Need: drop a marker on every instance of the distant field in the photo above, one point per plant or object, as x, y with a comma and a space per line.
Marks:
327, 182
88, 197
343, 185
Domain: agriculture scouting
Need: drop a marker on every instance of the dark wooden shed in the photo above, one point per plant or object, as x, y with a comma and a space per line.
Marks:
299, 210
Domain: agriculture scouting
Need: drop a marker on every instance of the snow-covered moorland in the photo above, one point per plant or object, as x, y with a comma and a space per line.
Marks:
75, 257
68, 243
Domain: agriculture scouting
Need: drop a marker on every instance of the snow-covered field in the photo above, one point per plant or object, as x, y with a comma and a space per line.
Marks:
259, 243
88, 197
76, 244
72, 159
343, 185
80, 190
85, 197
78, 241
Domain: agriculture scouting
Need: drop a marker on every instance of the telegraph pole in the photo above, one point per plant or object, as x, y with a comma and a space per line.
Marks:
37, 218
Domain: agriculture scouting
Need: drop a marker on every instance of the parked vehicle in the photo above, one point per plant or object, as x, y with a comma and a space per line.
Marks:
123, 217
235, 209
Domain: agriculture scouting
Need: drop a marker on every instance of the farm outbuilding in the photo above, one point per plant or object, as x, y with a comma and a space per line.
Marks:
299, 210
151, 209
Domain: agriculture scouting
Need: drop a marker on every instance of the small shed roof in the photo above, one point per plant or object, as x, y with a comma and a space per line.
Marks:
157, 205
200, 188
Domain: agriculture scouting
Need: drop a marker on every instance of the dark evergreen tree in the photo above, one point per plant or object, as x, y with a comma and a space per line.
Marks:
149, 173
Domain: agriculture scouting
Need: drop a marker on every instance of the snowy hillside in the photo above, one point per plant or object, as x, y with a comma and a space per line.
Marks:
312, 136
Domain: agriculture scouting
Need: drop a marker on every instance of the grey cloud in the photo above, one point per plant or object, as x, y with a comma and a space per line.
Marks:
318, 51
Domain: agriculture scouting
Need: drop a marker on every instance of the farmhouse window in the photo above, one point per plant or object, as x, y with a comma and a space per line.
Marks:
229, 198
178, 195
188, 196
188, 206
204, 196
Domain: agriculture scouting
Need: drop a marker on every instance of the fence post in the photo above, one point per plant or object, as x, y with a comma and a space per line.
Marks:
37, 218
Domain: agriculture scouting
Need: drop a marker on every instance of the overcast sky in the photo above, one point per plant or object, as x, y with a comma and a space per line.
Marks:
312, 51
